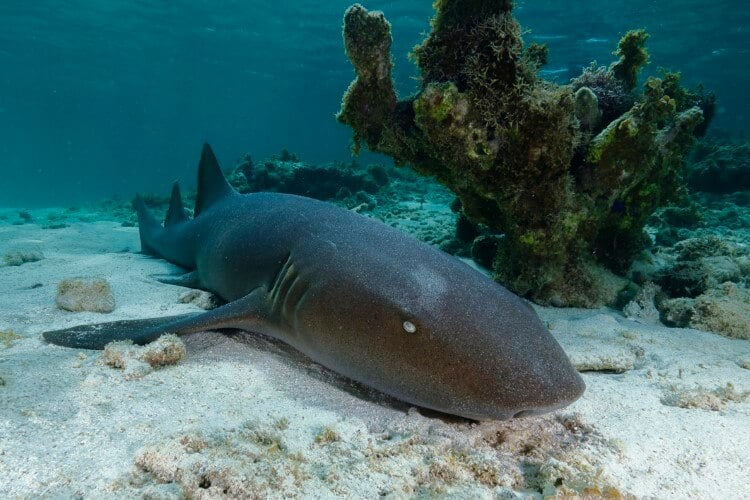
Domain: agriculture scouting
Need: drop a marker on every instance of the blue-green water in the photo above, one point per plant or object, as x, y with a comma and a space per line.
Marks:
102, 97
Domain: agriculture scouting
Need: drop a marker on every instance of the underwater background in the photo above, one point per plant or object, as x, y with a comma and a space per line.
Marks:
603, 204
102, 98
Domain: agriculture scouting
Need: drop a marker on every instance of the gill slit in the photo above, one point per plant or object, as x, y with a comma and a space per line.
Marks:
279, 276
288, 292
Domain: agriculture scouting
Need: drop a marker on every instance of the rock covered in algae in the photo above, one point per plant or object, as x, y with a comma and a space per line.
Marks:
568, 174
85, 294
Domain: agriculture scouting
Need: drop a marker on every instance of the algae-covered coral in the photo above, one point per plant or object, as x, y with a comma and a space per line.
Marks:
568, 174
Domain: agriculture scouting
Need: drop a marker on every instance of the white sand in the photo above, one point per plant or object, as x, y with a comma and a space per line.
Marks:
243, 416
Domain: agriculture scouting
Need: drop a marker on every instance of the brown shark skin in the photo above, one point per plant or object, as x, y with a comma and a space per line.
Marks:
363, 299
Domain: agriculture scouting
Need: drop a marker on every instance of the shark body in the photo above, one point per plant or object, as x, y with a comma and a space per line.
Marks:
354, 294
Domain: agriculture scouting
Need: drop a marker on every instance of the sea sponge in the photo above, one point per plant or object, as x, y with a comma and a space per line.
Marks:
166, 350
612, 97
85, 294
587, 108
138, 361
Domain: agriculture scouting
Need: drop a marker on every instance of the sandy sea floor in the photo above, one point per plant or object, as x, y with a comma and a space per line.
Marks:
665, 413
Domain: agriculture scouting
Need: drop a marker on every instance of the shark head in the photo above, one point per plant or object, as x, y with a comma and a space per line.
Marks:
426, 328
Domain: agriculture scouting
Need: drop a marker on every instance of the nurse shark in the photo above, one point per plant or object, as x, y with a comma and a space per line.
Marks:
355, 295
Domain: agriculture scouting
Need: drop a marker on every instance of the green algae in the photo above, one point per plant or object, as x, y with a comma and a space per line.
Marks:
633, 57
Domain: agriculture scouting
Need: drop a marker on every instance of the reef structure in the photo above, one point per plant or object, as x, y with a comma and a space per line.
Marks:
567, 174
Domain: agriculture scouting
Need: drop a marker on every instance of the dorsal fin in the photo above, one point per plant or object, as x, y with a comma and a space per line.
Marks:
176, 212
212, 186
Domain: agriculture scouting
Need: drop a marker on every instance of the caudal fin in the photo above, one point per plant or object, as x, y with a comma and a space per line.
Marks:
212, 185
140, 331
248, 313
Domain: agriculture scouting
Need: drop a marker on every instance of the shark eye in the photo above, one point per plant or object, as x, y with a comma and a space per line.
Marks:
409, 327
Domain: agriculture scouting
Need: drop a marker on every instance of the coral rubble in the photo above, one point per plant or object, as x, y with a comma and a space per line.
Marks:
724, 310
549, 456
701, 398
698, 275
567, 174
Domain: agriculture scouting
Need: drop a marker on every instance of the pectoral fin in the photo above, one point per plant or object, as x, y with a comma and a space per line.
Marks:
248, 313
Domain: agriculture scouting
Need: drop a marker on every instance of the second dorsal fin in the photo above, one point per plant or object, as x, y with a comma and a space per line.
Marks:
176, 212
212, 185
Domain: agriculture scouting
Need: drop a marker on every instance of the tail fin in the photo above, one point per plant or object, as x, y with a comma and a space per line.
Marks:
212, 185
248, 313
140, 331
176, 213
148, 227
